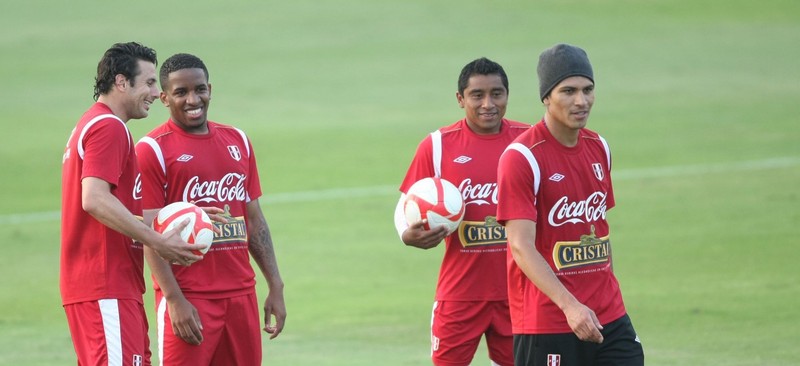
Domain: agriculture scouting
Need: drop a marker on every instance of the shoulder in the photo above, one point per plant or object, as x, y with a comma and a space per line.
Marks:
533, 136
452, 128
153, 140
517, 125
589, 134
515, 128
593, 138
102, 125
159, 132
227, 129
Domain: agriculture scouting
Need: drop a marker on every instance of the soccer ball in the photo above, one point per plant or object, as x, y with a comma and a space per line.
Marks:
200, 229
436, 200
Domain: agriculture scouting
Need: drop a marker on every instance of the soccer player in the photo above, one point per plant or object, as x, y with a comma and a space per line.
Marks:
471, 297
207, 314
102, 262
554, 191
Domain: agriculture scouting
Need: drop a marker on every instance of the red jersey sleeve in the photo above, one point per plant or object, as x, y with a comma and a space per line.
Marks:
103, 156
421, 165
253, 180
153, 178
516, 187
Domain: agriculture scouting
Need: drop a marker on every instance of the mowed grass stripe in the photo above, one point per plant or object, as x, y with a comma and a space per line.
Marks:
355, 192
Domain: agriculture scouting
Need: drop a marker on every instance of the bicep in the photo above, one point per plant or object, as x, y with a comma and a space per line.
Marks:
521, 234
93, 192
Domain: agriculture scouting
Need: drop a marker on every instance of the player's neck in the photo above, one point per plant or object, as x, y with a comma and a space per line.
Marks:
563, 134
115, 106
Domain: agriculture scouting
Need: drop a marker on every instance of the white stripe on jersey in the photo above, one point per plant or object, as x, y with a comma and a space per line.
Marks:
531, 161
436, 142
608, 151
244, 140
247, 149
92, 122
157, 150
109, 312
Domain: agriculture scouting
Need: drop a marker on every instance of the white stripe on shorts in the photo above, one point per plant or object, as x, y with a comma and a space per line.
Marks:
109, 311
160, 316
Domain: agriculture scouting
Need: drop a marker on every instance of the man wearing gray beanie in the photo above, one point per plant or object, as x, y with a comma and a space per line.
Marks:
554, 189
560, 62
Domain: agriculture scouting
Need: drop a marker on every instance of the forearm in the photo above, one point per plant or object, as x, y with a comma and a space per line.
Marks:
522, 243
162, 272
261, 247
98, 201
263, 254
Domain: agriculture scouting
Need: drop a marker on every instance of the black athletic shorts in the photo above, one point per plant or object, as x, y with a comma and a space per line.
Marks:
620, 347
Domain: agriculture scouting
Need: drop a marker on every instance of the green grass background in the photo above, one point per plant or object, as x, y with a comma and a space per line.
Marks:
695, 98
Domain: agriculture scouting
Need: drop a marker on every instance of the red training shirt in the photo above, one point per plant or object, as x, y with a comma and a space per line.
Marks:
216, 169
567, 192
96, 261
473, 267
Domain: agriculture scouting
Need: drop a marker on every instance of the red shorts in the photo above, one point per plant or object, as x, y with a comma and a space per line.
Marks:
109, 332
457, 327
231, 333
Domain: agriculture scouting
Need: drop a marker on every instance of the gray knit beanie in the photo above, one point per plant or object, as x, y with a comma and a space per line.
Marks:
560, 62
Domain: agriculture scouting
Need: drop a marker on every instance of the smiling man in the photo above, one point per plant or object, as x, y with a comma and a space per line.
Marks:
102, 263
471, 299
207, 314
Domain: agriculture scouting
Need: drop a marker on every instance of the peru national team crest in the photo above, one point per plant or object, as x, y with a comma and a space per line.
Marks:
235, 153
553, 360
598, 171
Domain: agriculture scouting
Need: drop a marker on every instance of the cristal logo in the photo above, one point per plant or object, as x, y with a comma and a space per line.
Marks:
479, 194
591, 209
137, 187
229, 188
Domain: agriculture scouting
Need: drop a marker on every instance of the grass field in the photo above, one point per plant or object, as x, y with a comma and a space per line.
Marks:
698, 99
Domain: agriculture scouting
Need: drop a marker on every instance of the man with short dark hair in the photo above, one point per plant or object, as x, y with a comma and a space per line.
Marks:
471, 296
207, 314
102, 232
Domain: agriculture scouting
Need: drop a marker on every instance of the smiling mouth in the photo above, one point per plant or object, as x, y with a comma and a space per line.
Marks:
197, 112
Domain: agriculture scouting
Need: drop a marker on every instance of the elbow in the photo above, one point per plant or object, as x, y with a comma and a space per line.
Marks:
516, 250
89, 204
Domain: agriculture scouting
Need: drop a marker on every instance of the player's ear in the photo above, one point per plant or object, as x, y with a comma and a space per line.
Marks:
209, 90
120, 81
460, 99
163, 97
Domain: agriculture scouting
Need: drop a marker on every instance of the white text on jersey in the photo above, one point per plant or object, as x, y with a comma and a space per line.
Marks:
593, 208
229, 188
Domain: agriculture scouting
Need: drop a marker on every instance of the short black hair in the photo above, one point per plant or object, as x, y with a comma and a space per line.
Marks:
121, 58
180, 61
481, 66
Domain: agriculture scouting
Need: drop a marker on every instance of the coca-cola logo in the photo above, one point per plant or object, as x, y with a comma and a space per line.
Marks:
137, 187
593, 208
479, 194
229, 188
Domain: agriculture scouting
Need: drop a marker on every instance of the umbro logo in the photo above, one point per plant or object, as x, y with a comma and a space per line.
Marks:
556, 177
463, 159
184, 158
